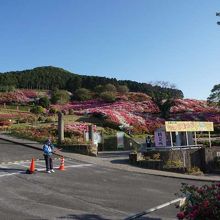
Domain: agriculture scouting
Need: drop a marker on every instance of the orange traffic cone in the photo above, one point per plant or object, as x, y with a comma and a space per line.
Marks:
62, 164
32, 167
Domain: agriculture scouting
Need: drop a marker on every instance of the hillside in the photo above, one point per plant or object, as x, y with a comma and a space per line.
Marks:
134, 111
51, 78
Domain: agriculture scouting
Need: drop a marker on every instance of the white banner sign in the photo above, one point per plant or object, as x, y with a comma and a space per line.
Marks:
120, 139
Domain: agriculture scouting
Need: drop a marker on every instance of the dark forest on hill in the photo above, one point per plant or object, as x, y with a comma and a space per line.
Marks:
51, 78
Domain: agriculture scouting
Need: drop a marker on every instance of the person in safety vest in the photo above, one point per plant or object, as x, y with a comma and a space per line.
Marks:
48, 149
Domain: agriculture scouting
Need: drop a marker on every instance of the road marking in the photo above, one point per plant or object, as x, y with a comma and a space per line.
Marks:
78, 165
38, 164
10, 174
43, 169
20, 164
153, 209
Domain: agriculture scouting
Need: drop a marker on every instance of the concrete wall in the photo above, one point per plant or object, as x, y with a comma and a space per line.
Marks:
202, 158
85, 149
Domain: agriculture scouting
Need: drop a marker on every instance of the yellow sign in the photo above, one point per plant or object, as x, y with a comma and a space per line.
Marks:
172, 126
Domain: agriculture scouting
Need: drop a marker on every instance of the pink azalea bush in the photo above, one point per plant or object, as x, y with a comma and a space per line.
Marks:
192, 105
30, 93
13, 115
77, 127
126, 113
202, 203
18, 96
142, 115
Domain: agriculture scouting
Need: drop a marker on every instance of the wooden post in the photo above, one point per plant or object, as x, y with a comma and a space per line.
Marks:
84, 135
91, 134
60, 128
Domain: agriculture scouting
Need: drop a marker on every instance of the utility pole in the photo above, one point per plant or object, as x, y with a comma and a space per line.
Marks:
218, 14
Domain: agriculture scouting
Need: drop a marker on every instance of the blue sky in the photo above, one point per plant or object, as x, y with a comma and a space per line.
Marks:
140, 40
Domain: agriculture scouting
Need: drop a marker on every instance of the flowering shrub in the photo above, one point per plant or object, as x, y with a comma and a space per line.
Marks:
18, 96
126, 113
202, 203
141, 113
192, 105
76, 128
13, 97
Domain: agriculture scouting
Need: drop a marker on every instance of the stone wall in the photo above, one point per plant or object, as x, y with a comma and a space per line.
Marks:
202, 158
85, 149
110, 144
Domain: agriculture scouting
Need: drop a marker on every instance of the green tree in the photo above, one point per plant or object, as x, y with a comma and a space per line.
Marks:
82, 94
122, 89
60, 97
99, 89
110, 88
73, 83
164, 97
214, 97
108, 96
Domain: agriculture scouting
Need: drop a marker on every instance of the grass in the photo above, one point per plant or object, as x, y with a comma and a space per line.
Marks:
13, 108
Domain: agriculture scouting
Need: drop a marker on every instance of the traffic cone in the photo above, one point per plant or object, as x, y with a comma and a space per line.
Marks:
62, 164
32, 167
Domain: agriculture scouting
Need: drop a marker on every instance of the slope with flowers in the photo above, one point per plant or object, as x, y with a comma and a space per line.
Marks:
134, 111
143, 116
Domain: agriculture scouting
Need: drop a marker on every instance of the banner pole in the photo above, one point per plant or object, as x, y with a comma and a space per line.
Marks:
171, 139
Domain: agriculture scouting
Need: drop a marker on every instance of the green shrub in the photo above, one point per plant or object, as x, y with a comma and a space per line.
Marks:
174, 164
44, 102
82, 94
110, 88
122, 89
194, 170
108, 96
37, 110
60, 97
52, 111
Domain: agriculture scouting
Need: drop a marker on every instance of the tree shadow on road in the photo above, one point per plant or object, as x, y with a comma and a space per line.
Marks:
97, 217
83, 217
10, 170
120, 161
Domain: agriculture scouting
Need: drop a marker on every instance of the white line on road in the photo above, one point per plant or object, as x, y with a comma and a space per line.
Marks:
154, 209
78, 165
42, 169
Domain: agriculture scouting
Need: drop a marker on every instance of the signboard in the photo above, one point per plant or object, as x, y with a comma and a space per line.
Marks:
160, 138
173, 126
97, 138
120, 139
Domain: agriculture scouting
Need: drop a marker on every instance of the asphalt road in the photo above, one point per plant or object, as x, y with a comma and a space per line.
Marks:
82, 191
